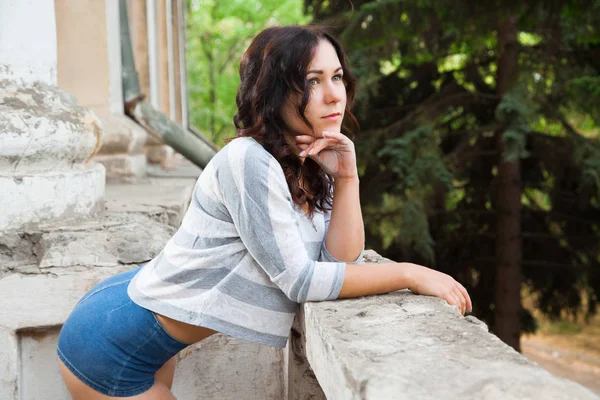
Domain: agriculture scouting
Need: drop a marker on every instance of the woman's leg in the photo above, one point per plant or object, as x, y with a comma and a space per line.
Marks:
80, 391
166, 373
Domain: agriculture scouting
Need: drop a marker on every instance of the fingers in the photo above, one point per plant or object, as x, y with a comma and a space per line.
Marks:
336, 135
467, 298
462, 302
312, 146
315, 148
305, 139
456, 298
452, 300
320, 145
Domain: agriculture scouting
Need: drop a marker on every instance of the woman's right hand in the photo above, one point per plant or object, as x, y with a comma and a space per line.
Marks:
429, 282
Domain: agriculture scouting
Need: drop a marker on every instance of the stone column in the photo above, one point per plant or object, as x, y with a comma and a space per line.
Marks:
138, 27
163, 55
46, 138
181, 25
156, 151
175, 13
89, 66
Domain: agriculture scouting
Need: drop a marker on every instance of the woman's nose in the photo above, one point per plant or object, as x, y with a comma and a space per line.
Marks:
334, 92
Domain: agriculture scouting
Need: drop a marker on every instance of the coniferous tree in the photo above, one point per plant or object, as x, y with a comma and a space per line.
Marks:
479, 144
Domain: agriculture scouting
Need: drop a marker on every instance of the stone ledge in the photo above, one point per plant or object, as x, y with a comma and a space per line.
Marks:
162, 199
404, 346
110, 240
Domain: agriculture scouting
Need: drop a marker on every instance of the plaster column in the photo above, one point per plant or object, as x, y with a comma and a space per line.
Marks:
138, 26
156, 151
163, 56
46, 138
181, 25
175, 13
89, 66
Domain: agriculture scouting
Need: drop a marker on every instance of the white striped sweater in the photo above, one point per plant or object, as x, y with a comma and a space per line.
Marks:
245, 254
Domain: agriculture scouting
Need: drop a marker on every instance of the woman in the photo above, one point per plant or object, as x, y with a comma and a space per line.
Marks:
274, 221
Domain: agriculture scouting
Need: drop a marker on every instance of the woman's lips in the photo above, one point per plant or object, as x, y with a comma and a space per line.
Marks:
333, 117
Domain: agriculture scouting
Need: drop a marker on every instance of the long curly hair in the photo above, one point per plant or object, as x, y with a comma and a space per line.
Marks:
272, 69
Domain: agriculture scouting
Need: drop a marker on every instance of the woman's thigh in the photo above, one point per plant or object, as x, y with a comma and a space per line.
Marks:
166, 373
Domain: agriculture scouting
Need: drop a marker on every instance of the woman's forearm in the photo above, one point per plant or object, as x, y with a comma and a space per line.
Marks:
369, 279
346, 235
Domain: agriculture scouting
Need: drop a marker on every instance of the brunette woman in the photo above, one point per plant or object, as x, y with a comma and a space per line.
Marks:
274, 221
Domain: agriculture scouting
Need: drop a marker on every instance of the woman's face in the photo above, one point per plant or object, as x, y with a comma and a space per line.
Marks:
327, 101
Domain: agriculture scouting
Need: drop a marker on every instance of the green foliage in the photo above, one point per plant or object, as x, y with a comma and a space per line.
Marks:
415, 161
415, 166
588, 157
218, 32
514, 114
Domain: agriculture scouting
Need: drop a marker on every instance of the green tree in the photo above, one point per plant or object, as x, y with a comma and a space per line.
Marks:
218, 32
479, 143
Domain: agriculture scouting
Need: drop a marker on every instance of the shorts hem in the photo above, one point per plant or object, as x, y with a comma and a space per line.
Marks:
100, 389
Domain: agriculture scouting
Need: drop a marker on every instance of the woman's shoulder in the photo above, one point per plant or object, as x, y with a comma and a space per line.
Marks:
244, 151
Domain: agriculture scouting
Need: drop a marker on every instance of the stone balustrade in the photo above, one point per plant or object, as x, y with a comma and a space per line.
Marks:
405, 346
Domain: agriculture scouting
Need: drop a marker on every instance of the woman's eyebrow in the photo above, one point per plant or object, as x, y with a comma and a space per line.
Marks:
320, 71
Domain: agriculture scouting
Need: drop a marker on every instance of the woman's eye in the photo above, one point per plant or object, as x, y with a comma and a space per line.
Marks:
313, 81
337, 77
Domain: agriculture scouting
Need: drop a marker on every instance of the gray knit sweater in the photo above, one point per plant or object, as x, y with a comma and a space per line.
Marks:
245, 254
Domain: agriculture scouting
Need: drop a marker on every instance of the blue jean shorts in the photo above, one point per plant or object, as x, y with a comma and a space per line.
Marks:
112, 344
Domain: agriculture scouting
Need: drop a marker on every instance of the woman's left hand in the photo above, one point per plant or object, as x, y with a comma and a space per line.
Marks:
334, 152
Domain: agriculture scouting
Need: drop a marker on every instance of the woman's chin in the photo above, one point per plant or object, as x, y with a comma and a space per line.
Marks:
330, 127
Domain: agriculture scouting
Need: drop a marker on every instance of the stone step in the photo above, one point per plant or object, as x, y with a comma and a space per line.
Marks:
164, 195
45, 270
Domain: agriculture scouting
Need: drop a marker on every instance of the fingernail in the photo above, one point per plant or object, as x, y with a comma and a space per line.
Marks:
310, 152
301, 154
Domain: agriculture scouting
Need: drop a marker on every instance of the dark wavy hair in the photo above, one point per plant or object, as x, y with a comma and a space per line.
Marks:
272, 69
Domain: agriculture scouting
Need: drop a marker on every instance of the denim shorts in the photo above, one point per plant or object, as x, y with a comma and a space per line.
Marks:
112, 344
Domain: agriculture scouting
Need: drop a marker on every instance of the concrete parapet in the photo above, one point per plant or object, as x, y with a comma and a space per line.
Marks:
222, 367
404, 346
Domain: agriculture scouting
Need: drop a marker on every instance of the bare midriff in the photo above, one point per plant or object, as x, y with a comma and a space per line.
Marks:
183, 332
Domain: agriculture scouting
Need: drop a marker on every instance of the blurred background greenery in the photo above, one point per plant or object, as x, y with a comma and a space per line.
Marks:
479, 150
